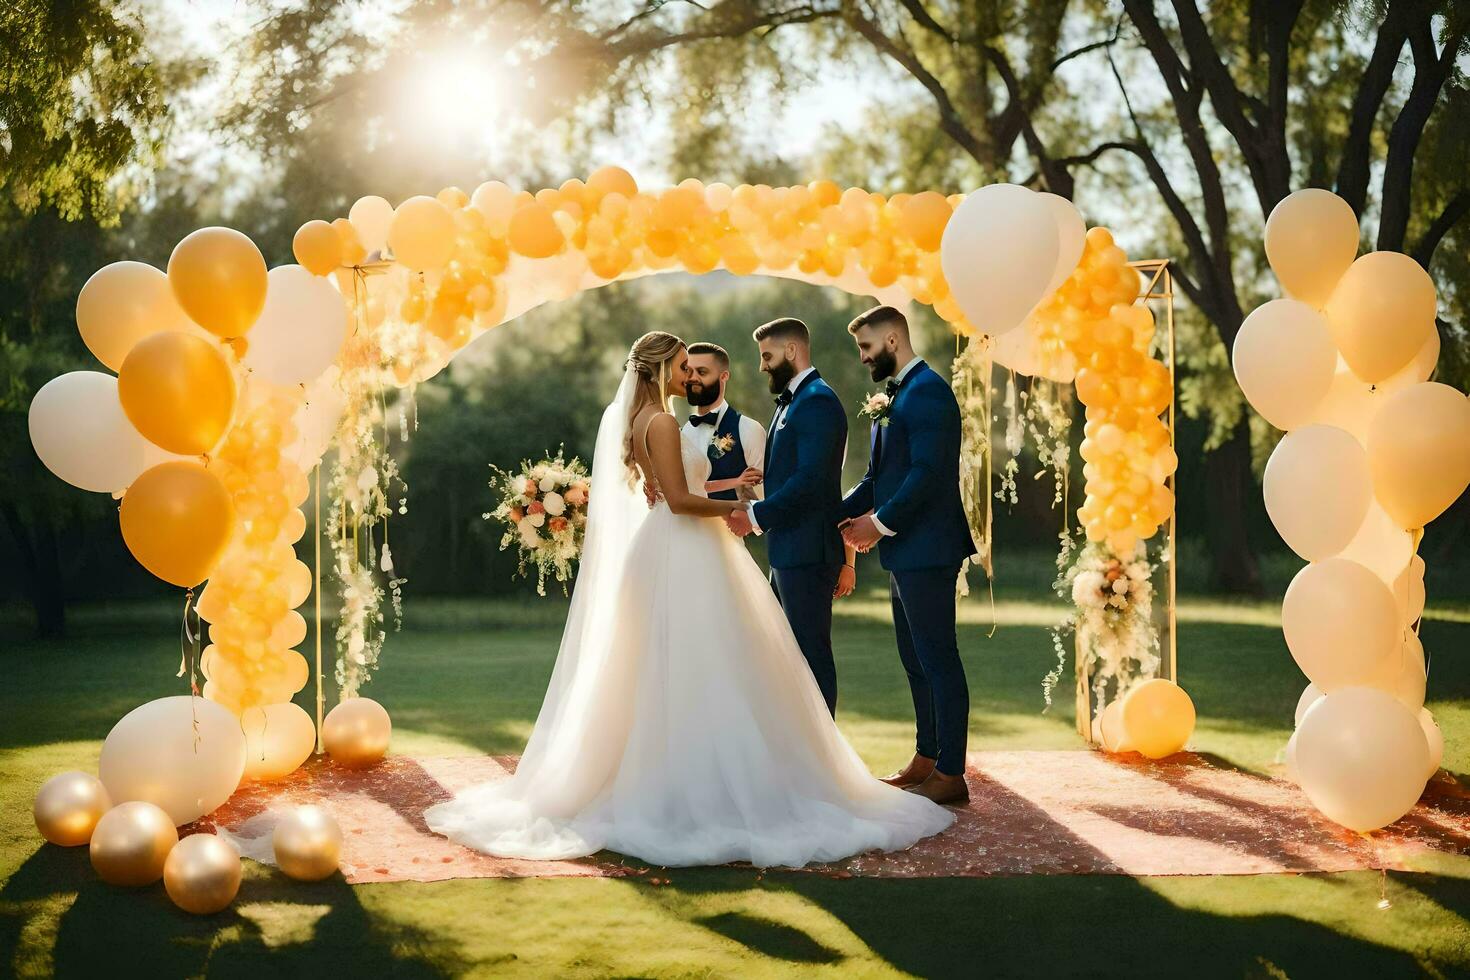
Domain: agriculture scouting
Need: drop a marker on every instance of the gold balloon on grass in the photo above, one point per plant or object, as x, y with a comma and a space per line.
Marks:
68, 807
317, 247
1381, 313
131, 844
278, 739
421, 234
1419, 452
1311, 239
202, 874
356, 732
308, 844
123, 303
218, 276
1158, 718
176, 520
178, 391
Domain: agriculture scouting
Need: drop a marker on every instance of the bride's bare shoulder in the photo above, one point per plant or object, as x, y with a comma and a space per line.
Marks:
661, 425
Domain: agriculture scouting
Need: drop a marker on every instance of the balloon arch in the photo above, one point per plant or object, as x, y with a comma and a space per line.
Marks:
232, 381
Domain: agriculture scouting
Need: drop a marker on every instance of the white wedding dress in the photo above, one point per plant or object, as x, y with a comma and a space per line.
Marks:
681, 725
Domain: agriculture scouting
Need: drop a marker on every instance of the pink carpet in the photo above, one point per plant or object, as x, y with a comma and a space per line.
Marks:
1030, 813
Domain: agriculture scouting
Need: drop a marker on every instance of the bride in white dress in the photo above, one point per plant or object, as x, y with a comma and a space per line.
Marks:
681, 725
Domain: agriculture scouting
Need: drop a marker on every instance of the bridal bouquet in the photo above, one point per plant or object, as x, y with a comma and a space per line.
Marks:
544, 510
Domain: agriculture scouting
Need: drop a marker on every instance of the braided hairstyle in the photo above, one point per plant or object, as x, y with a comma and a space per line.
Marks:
650, 358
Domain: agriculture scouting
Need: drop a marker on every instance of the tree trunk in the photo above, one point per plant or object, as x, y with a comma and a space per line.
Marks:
1232, 491
41, 561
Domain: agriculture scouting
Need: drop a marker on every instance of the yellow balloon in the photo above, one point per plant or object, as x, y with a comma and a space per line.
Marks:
613, 180
123, 303
422, 234
317, 247
1419, 452
131, 844
1381, 313
356, 733
1110, 729
307, 844
218, 276
278, 739
923, 219
202, 874
534, 233
176, 520
178, 391
1311, 239
1158, 718
68, 807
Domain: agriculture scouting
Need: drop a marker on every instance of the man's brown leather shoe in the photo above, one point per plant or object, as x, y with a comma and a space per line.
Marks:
912, 774
943, 789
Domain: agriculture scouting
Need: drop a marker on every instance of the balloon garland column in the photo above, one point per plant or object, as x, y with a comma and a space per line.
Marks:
1373, 452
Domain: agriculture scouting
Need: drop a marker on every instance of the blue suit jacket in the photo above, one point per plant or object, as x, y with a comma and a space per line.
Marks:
732, 463
803, 479
913, 479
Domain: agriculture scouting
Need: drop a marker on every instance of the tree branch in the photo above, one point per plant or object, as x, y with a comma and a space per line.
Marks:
1354, 167
1457, 208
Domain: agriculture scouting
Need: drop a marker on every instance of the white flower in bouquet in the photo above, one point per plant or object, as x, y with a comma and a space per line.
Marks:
529, 537
554, 504
536, 520
547, 484
1087, 589
1120, 585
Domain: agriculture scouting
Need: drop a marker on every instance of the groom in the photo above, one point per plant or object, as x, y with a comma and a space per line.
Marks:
909, 505
803, 485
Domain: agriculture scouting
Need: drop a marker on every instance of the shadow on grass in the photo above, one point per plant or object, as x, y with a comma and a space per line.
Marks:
771, 939
139, 932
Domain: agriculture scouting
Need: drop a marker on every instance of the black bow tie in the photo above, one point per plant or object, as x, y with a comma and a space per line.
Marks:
784, 398
710, 419
891, 388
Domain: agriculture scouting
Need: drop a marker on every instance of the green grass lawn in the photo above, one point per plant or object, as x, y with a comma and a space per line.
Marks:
467, 678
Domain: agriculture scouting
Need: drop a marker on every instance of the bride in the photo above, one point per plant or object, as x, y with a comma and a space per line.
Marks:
681, 725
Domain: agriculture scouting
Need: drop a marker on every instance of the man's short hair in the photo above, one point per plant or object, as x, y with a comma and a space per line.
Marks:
788, 328
879, 316
713, 350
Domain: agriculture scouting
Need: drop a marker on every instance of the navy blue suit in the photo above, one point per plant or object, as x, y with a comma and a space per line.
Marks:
803, 485
913, 488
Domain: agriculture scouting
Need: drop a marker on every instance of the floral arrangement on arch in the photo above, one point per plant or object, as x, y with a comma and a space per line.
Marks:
544, 509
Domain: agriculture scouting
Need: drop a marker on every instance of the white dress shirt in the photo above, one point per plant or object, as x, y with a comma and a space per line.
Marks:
777, 421
903, 373
752, 437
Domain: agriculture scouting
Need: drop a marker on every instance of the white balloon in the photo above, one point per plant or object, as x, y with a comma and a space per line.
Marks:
81, 434
1284, 361
1403, 673
1311, 694
998, 254
316, 420
370, 217
1380, 545
301, 329
1350, 403
1340, 622
1071, 237
1292, 773
1435, 739
1362, 757
183, 754
1408, 591
1318, 488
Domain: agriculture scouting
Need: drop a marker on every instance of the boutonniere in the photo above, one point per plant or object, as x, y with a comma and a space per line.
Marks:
877, 407
720, 445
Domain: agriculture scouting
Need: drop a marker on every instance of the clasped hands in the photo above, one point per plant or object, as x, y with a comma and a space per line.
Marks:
860, 532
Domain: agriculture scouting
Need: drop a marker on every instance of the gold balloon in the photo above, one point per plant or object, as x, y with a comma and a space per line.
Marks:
1419, 452
278, 738
176, 520
356, 732
613, 180
123, 303
1110, 729
131, 844
534, 233
317, 247
307, 844
219, 278
421, 234
923, 219
68, 807
202, 874
1158, 718
1311, 239
1381, 313
178, 391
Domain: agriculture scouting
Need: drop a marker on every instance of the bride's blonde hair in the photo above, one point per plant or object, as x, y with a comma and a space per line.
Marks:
651, 358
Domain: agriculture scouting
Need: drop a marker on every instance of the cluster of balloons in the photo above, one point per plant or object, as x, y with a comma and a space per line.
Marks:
250, 602
1126, 446
1155, 719
171, 761
1373, 452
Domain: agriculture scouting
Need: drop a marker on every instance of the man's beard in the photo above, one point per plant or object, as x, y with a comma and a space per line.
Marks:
780, 375
884, 365
699, 395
